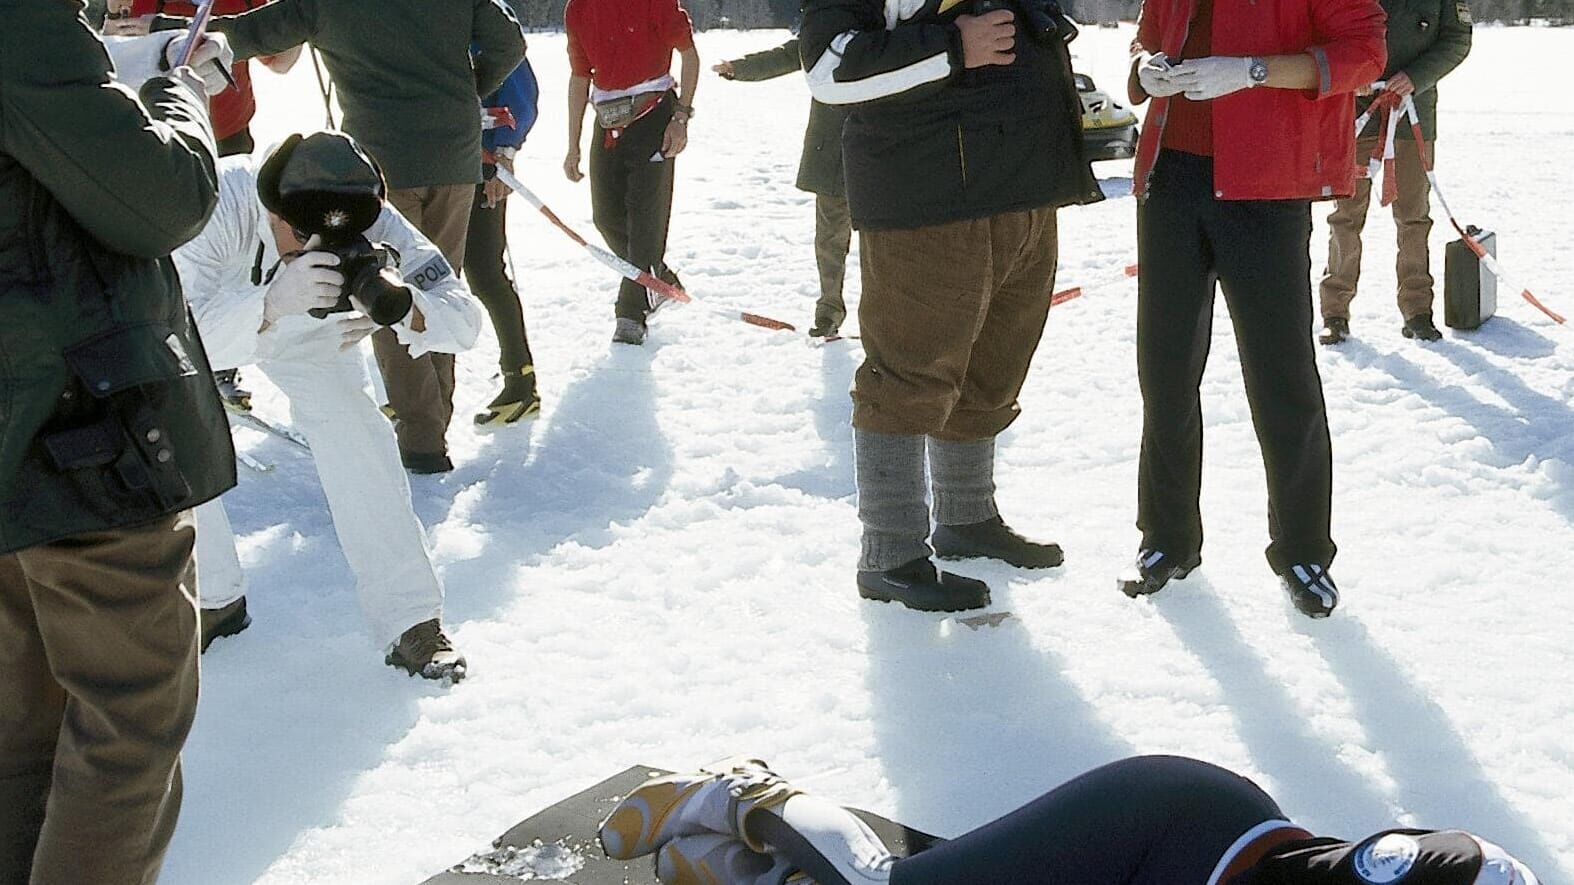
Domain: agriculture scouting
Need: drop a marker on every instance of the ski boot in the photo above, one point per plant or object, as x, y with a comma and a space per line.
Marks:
919, 585
1311, 589
717, 800
993, 539
1154, 569
1421, 328
1335, 330
629, 331
235, 397
519, 400
227, 620
425, 650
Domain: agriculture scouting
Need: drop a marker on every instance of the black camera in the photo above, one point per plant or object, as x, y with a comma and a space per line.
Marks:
1044, 20
370, 273
324, 185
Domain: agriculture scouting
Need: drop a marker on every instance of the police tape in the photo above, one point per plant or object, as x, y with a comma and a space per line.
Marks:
628, 271
1064, 295
1392, 107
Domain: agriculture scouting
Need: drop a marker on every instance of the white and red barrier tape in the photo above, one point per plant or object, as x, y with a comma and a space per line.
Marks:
629, 271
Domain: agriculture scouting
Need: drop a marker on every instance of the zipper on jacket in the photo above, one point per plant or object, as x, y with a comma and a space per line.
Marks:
961, 154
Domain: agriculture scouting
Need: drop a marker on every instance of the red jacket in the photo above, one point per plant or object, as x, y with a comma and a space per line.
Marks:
622, 43
1275, 144
233, 108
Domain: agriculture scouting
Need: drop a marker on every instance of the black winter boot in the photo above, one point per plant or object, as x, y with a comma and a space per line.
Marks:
918, 585
1153, 569
1335, 330
993, 539
1421, 328
1311, 589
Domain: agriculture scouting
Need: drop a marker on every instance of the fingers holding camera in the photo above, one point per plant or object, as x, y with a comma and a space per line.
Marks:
353, 328
988, 39
307, 282
1156, 75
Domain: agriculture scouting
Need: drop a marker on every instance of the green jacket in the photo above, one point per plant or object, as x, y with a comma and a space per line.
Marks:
410, 93
820, 169
108, 415
1426, 40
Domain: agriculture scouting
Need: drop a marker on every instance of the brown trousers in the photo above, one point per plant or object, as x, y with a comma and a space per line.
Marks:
951, 316
833, 237
1413, 218
98, 687
421, 390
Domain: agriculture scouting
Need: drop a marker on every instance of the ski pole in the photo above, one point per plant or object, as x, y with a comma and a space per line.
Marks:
626, 270
199, 26
1065, 295
1487, 259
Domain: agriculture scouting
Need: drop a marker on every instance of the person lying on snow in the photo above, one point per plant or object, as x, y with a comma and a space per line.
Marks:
302, 260
1150, 820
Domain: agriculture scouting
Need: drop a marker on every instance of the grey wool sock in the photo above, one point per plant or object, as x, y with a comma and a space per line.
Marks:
964, 480
891, 505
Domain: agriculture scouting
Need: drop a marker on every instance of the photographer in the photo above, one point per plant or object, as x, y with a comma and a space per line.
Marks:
963, 140
110, 431
1232, 154
410, 90
302, 260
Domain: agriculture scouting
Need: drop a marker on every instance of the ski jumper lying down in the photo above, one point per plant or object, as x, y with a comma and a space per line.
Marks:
1151, 820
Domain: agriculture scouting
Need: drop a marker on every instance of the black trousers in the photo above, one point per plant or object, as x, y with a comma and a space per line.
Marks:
486, 245
1259, 252
1151, 820
631, 199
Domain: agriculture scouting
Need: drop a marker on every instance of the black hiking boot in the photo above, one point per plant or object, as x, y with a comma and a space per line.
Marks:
1335, 330
918, 585
1153, 569
1421, 328
1312, 590
993, 539
424, 463
227, 620
424, 650
518, 400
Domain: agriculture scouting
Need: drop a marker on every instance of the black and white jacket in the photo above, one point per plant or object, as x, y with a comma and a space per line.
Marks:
929, 142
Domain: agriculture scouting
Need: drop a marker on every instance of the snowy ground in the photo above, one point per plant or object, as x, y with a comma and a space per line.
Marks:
659, 570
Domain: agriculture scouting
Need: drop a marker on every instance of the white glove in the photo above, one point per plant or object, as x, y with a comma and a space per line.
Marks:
306, 282
1154, 74
211, 61
1202, 79
353, 328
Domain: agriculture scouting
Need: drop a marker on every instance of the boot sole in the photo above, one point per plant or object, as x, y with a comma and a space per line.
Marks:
1181, 574
959, 557
874, 595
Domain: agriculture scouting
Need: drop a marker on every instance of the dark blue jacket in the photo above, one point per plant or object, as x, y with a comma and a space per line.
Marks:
519, 94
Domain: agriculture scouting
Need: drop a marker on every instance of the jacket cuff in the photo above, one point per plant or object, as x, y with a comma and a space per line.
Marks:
1325, 72
954, 49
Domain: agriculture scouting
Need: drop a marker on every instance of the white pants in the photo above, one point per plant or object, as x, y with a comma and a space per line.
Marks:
368, 493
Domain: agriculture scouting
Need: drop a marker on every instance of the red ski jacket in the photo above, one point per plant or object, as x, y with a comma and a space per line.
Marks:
1275, 144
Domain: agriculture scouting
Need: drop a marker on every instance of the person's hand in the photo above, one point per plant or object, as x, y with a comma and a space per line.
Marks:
305, 282
988, 39
1203, 79
127, 26
1401, 85
676, 138
1154, 73
495, 191
352, 328
211, 61
725, 69
571, 165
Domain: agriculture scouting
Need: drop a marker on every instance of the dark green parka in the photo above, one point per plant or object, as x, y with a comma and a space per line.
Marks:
108, 415
1426, 40
820, 169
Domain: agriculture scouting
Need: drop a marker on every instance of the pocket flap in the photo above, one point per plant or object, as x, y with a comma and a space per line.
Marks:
127, 357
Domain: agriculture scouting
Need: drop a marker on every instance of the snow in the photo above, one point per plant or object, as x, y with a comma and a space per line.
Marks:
659, 569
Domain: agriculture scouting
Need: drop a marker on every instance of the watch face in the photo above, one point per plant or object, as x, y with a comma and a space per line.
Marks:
1259, 71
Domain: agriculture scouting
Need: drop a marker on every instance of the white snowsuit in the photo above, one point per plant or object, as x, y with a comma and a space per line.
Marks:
223, 272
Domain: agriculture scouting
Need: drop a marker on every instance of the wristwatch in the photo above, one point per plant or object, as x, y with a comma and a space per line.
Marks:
687, 110
1258, 71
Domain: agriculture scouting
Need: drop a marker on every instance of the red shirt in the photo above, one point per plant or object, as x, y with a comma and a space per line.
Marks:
622, 43
1190, 126
233, 108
